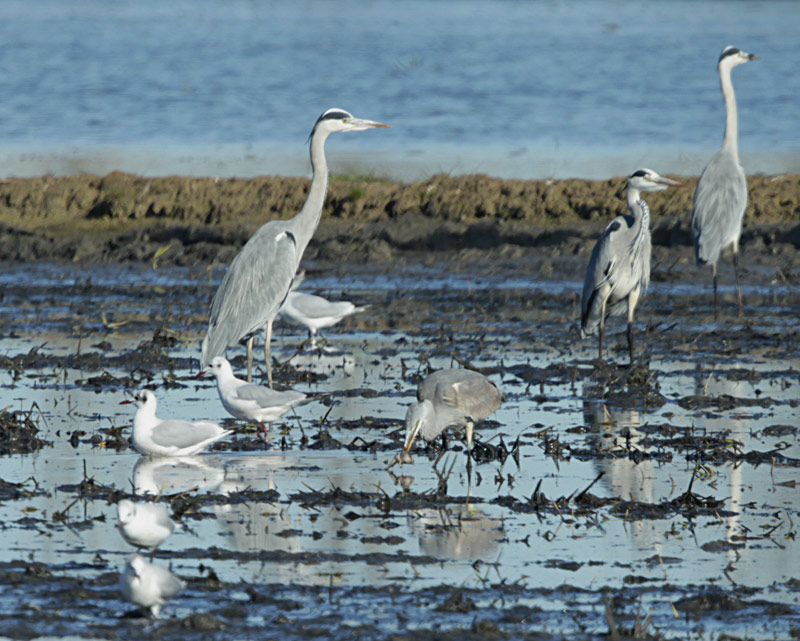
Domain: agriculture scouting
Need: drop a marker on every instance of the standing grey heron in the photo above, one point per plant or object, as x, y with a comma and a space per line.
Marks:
721, 196
260, 276
449, 398
619, 268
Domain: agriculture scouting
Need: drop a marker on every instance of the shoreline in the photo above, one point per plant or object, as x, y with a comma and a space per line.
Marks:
195, 221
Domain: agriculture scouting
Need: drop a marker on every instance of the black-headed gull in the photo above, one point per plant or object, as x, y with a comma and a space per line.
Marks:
144, 524
316, 312
148, 585
154, 437
249, 401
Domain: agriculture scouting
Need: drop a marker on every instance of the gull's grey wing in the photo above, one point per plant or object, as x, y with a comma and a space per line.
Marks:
719, 205
317, 307
183, 434
252, 290
266, 397
161, 516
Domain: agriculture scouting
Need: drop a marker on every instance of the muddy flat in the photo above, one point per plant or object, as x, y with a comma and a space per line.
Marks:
602, 500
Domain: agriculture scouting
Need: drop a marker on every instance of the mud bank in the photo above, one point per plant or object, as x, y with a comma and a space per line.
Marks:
199, 221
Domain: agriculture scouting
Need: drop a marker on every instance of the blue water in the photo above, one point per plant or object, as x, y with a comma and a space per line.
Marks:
517, 89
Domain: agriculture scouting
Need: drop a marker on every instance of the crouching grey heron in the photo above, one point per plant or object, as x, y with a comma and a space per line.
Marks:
449, 398
721, 196
619, 268
260, 276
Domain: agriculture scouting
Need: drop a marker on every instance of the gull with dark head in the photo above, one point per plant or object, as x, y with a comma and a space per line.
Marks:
154, 437
251, 402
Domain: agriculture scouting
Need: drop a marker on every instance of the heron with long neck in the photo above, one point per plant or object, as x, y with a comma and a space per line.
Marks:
260, 276
720, 200
619, 269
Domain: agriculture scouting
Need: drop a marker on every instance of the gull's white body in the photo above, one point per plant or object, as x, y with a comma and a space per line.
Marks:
143, 524
316, 312
148, 585
249, 401
154, 437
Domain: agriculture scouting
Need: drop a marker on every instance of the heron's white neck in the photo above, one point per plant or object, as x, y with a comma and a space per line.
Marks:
731, 140
633, 196
305, 223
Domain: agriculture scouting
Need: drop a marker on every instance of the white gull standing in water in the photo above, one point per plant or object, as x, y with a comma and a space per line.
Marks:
154, 437
249, 401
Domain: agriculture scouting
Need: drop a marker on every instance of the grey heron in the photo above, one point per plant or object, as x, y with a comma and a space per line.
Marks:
721, 196
249, 401
258, 279
316, 312
148, 585
144, 524
449, 398
619, 268
154, 437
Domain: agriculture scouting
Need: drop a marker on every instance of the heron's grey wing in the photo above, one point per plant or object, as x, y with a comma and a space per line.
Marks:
603, 269
473, 396
252, 290
266, 397
183, 434
720, 201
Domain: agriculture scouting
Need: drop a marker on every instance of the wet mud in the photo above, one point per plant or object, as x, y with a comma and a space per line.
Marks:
585, 451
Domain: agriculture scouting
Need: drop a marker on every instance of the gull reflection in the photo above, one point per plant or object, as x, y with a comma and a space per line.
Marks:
170, 475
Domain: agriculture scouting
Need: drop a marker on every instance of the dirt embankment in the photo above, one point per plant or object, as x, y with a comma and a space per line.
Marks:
122, 217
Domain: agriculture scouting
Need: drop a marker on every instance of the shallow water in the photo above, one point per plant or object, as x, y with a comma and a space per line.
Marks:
513, 89
481, 537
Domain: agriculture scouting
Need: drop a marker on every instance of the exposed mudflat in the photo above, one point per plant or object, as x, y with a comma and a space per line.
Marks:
603, 501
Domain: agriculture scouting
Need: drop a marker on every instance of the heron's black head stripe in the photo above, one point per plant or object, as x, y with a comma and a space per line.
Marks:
333, 115
732, 51
641, 173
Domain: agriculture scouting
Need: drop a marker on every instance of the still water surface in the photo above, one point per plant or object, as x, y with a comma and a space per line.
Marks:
515, 89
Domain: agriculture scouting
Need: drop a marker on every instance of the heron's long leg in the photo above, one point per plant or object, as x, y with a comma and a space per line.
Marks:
250, 359
268, 351
738, 284
470, 431
602, 327
716, 308
633, 298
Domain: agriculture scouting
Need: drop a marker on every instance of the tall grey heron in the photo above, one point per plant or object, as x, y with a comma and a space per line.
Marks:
256, 283
721, 196
154, 437
449, 398
619, 268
